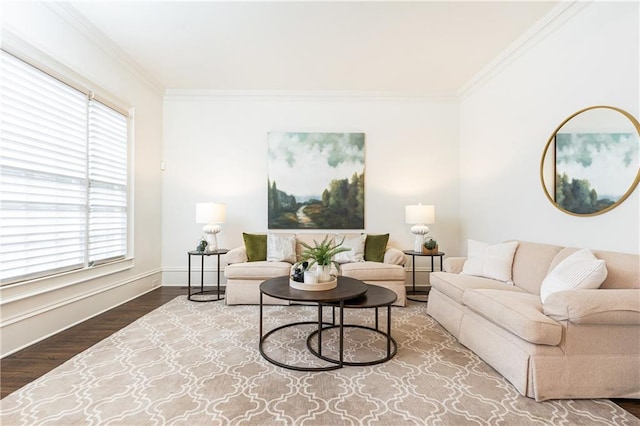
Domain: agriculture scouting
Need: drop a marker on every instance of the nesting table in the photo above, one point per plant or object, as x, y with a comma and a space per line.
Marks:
350, 293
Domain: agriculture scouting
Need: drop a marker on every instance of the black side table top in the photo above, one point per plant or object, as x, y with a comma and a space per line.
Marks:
208, 253
375, 297
419, 253
347, 288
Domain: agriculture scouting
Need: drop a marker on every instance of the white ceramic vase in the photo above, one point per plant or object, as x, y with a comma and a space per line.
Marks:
324, 273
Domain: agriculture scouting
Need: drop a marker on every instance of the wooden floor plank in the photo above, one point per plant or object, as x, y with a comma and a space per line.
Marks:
26, 365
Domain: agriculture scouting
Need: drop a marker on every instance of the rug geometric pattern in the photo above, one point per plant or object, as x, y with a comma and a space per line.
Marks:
192, 363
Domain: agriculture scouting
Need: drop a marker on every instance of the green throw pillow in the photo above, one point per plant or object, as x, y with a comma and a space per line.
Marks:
375, 246
256, 245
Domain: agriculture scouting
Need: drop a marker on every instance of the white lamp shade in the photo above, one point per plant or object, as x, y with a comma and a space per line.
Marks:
210, 213
420, 214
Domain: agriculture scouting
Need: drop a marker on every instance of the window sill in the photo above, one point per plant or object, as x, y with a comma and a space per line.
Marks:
13, 292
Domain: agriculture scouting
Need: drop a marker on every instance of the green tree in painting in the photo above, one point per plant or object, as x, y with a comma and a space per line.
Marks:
342, 204
282, 206
577, 196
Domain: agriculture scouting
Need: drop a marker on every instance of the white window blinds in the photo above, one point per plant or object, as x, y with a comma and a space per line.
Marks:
107, 183
63, 176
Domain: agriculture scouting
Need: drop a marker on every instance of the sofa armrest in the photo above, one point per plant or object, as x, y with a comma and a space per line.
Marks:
453, 264
236, 255
393, 256
599, 306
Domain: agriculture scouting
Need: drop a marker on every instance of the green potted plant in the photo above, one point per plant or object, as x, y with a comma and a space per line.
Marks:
430, 246
321, 254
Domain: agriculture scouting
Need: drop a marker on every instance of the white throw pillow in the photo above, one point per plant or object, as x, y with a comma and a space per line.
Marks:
356, 245
580, 270
281, 248
490, 261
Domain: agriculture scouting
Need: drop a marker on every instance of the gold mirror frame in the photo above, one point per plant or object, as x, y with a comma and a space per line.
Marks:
632, 187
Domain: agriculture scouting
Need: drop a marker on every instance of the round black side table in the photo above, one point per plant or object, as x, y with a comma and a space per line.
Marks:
413, 254
375, 297
279, 287
204, 295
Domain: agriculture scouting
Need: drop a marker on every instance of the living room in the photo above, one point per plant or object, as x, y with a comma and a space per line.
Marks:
473, 151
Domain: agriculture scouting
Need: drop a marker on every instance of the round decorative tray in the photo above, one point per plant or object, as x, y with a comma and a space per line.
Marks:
328, 285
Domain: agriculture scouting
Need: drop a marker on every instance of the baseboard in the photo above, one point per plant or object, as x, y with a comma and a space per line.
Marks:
35, 321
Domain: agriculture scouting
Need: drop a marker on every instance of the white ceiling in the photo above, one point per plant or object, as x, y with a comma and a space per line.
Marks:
422, 47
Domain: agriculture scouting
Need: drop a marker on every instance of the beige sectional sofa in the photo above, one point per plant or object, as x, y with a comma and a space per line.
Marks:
244, 277
582, 343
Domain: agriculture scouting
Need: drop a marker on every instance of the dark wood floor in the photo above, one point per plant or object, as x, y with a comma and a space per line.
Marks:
28, 364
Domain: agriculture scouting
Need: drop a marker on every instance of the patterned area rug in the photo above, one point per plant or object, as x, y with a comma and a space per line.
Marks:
198, 363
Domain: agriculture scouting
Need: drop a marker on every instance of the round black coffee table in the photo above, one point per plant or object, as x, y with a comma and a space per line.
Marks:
375, 297
347, 288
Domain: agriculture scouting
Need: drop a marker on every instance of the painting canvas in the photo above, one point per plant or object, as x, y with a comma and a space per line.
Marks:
582, 184
315, 180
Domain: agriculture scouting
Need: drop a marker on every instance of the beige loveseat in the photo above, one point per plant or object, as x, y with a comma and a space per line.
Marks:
244, 277
577, 344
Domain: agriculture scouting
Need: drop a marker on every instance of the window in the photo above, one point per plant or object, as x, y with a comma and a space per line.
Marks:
63, 176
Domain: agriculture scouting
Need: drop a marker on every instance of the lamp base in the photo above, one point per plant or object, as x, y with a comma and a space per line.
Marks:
210, 233
420, 232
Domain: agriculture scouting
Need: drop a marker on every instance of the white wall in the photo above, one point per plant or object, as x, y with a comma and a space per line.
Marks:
36, 309
216, 149
505, 122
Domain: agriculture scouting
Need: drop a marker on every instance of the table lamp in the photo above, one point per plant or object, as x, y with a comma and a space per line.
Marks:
419, 216
212, 214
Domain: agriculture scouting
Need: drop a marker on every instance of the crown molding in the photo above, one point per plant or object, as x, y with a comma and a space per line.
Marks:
72, 16
307, 95
554, 19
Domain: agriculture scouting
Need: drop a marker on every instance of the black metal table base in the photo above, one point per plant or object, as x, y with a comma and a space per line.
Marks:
320, 323
391, 342
413, 291
417, 293
296, 367
202, 294
207, 296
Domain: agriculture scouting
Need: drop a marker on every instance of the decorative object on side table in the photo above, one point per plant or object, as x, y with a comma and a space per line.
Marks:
419, 216
430, 246
321, 255
211, 214
202, 245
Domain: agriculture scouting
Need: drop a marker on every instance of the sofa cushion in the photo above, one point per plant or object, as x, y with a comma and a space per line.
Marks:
256, 245
258, 270
281, 248
517, 312
580, 270
454, 285
490, 261
373, 271
375, 247
531, 264
355, 244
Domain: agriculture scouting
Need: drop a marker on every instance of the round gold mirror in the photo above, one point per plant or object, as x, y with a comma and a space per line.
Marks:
591, 162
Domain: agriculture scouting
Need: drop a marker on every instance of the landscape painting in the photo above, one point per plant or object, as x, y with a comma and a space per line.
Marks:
315, 180
584, 182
